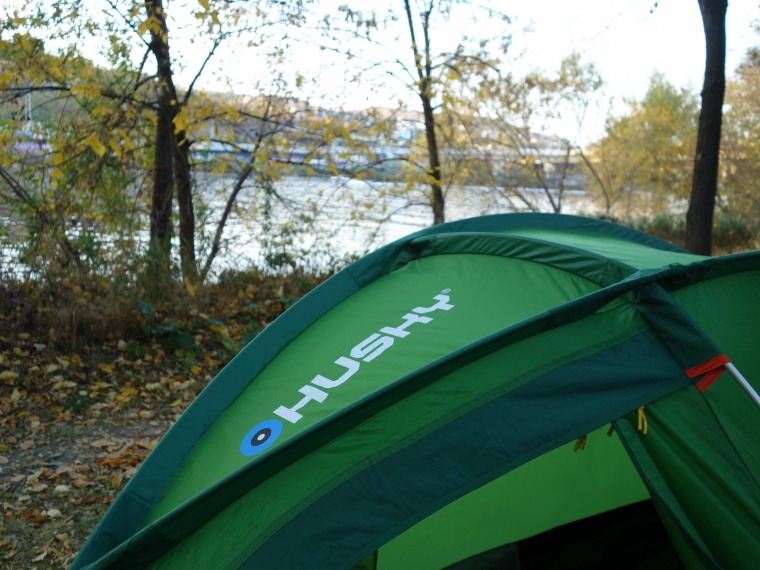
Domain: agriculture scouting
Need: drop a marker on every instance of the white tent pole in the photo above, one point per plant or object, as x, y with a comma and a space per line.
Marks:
746, 386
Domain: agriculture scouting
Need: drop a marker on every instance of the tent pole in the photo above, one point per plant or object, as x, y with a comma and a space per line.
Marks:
746, 386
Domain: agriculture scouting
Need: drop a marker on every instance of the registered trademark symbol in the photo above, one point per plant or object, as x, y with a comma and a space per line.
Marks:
446, 291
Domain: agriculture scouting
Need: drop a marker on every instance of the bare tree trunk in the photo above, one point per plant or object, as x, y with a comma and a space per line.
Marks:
163, 168
172, 155
186, 212
216, 243
436, 184
424, 90
163, 181
606, 194
699, 218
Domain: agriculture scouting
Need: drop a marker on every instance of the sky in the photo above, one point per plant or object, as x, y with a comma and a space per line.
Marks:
628, 41
631, 39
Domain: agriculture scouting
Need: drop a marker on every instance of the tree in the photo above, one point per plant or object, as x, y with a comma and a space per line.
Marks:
430, 58
67, 150
643, 161
424, 86
699, 217
739, 194
172, 166
531, 167
127, 118
169, 161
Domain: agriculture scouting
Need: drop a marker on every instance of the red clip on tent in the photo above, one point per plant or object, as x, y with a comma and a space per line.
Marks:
513, 391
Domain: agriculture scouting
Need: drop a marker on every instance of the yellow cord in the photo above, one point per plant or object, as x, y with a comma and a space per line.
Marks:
643, 426
580, 443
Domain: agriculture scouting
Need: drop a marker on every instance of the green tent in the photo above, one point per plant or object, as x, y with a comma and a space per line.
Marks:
512, 391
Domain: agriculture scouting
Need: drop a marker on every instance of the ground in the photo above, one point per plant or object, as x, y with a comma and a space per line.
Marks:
69, 447
77, 421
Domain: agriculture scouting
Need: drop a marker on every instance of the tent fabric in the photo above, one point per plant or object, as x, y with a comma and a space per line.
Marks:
435, 389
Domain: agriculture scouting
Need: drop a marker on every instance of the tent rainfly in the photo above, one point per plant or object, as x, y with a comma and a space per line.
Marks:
511, 391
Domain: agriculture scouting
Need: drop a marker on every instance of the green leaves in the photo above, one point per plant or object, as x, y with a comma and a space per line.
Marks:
739, 185
645, 159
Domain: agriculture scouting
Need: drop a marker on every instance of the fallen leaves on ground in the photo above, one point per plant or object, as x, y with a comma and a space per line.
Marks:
76, 426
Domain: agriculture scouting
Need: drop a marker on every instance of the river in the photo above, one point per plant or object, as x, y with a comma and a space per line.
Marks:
343, 217
317, 222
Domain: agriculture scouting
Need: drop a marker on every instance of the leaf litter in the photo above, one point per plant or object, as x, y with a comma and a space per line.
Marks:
76, 425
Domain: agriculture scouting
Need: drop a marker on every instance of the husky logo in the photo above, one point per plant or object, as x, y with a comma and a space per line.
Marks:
261, 436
